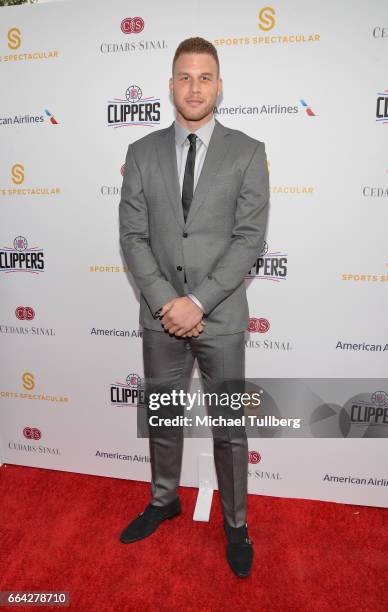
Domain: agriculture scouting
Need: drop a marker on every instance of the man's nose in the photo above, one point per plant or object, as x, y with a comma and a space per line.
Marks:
195, 85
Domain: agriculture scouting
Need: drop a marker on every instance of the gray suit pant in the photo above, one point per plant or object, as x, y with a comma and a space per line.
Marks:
171, 359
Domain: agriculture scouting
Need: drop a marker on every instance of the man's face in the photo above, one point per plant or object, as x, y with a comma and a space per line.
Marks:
195, 86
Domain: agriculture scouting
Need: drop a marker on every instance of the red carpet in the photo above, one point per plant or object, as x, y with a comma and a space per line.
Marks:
59, 531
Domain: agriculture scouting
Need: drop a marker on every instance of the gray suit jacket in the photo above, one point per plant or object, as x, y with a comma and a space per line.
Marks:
223, 234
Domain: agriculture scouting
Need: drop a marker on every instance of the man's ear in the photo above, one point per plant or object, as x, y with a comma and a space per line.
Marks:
220, 85
171, 85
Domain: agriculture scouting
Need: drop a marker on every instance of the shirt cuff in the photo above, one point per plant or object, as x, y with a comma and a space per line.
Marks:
196, 301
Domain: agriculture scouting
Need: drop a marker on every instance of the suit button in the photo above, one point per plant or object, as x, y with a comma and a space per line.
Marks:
210, 276
179, 268
185, 234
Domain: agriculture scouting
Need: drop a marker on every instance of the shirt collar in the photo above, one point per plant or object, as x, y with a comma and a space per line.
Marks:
204, 133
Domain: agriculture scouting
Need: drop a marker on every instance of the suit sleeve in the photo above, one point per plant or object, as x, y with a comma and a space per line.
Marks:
134, 239
247, 236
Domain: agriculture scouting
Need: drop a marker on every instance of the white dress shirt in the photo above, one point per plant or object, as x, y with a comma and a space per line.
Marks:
182, 148
182, 145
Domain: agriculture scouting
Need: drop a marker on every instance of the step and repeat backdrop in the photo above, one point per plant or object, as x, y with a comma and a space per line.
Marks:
82, 80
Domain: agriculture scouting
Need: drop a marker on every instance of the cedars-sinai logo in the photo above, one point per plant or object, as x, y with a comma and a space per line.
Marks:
32, 433
254, 457
130, 41
132, 25
25, 313
260, 325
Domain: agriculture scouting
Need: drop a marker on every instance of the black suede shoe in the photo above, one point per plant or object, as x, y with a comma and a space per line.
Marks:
239, 550
148, 521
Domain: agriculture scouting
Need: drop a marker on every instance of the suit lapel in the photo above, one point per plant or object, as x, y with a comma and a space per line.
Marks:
218, 147
168, 164
216, 152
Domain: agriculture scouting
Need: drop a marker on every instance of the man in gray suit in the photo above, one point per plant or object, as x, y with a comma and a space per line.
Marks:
193, 214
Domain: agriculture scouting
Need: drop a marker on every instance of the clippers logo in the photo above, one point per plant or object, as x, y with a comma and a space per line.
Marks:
270, 266
20, 243
129, 393
14, 38
51, 117
267, 19
382, 107
258, 325
32, 433
372, 412
17, 174
133, 381
380, 398
254, 457
132, 25
307, 108
20, 258
25, 313
133, 93
134, 109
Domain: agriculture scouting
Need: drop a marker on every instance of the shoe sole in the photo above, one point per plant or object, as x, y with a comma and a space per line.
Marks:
124, 541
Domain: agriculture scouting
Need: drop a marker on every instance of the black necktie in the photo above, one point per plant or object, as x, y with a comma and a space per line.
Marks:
188, 181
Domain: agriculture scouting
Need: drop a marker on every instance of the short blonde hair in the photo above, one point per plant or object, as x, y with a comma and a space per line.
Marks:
196, 45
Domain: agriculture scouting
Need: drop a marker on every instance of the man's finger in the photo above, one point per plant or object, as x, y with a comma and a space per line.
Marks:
167, 307
167, 318
180, 332
167, 325
194, 332
173, 328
